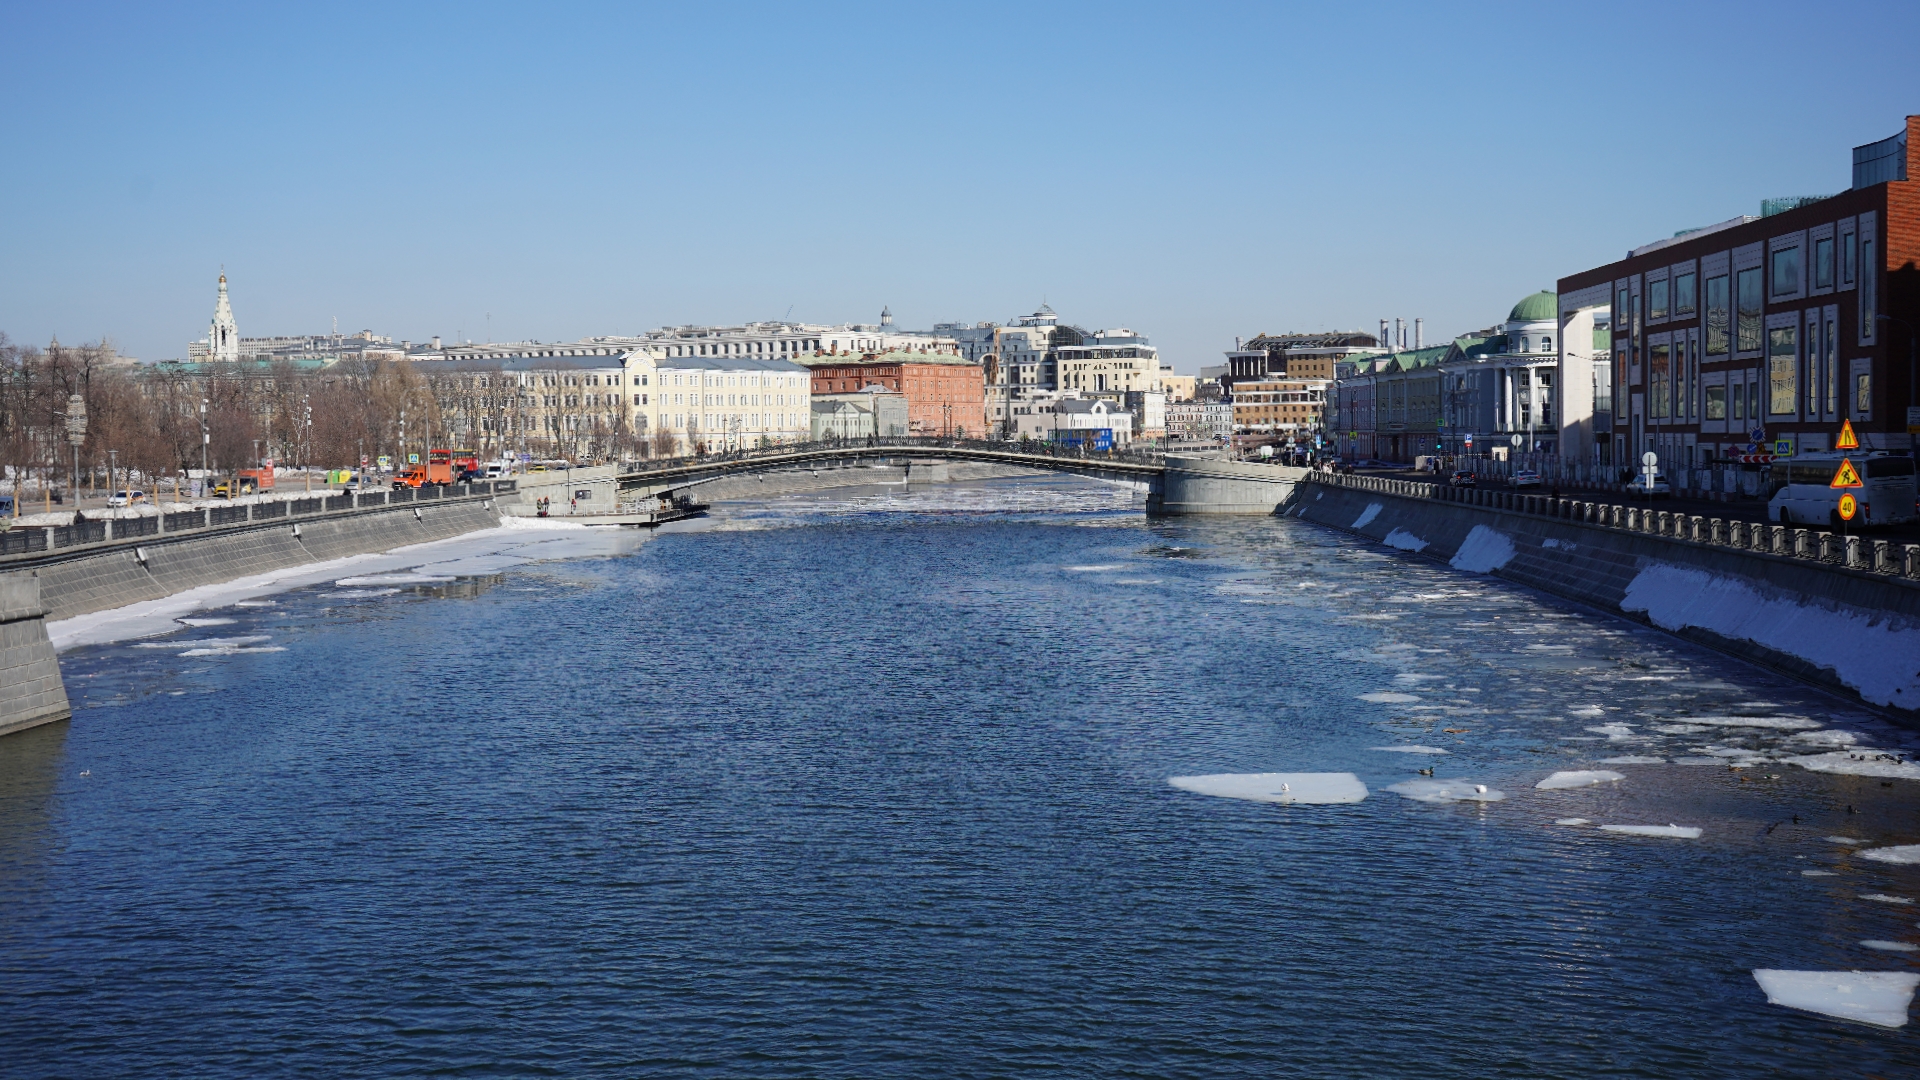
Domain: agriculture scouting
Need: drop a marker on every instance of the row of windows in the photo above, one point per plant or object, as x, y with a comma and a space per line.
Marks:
1734, 302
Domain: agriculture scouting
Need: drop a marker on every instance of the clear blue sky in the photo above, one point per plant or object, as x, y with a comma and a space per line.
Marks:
1193, 171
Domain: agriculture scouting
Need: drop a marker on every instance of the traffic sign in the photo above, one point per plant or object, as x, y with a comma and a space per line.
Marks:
1848, 507
1783, 446
1758, 434
1517, 440
413, 459
1846, 476
1847, 440
1649, 459
1469, 442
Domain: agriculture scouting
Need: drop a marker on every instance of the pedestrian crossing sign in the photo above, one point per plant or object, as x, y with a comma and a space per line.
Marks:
1847, 440
1847, 476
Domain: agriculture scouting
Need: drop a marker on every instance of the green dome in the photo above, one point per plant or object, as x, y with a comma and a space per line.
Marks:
1543, 306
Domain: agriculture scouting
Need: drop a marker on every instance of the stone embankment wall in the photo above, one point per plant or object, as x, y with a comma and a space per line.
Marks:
1841, 612
38, 585
1204, 484
798, 481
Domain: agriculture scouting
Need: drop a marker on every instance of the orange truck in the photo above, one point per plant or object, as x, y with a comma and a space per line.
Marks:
442, 467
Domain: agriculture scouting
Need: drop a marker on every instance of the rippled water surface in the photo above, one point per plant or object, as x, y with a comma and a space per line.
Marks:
875, 783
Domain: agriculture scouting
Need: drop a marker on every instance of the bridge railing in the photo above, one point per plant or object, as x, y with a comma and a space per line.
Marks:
1023, 447
1817, 545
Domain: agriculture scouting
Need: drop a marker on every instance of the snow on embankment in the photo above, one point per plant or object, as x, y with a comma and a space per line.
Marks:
1875, 654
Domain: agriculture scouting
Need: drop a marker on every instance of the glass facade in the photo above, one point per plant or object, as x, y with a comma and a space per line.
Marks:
1786, 271
1659, 385
1823, 263
1683, 300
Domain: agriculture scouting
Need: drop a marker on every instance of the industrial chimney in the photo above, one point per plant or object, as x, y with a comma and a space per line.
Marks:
1419, 333
1400, 334
1384, 339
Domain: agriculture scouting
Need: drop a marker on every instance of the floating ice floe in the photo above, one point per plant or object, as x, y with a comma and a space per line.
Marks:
353, 593
392, 579
1883, 898
1388, 697
1613, 731
1586, 712
1445, 791
1571, 821
205, 622
1404, 540
255, 603
1859, 763
1633, 759
1410, 749
1342, 787
1818, 873
1578, 778
1826, 737
1870, 997
1852, 840
1679, 729
234, 650
1772, 723
1099, 569
1906, 854
1678, 832
1891, 946
206, 643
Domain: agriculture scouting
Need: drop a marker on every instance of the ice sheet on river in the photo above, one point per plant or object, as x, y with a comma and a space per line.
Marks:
1859, 763
1410, 749
1870, 997
1343, 787
1904, 854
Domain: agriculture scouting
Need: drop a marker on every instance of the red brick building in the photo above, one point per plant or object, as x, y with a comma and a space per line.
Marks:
946, 394
1785, 324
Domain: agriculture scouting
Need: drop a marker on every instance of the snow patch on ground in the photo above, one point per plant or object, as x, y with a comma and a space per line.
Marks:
1578, 778
1404, 540
1277, 787
1870, 652
1372, 511
1870, 997
1483, 551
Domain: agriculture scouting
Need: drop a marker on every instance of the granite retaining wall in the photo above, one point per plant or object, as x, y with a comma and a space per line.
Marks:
1852, 628
40, 585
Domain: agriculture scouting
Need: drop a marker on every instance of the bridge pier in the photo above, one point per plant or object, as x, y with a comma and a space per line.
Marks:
1207, 485
31, 692
927, 472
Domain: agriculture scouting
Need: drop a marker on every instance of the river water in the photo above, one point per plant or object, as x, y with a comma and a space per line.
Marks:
876, 783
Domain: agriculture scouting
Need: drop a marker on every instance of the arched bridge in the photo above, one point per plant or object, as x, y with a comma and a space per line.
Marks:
1175, 483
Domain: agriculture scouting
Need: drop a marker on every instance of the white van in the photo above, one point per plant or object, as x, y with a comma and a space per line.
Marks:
1804, 497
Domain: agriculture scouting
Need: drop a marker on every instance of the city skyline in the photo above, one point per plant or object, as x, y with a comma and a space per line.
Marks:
480, 173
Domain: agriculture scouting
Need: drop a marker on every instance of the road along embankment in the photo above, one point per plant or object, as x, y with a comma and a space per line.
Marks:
70, 573
1840, 612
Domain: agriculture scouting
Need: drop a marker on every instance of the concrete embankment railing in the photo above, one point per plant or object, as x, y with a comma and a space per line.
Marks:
60, 572
1842, 611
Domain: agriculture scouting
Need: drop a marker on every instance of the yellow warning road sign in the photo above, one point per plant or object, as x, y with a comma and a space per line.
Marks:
1848, 507
1846, 476
1847, 440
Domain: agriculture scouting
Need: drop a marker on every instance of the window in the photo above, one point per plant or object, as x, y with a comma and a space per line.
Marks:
1823, 263
1739, 404
1683, 294
1867, 279
1657, 299
1546, 344
1620, 311
1782, 357
1863, 393
1833, 365
1786, 271
1659, 386
1849, 258
1717, 322
1716, 403
1748, 285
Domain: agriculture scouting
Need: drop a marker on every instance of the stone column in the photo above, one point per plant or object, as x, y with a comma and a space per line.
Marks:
31, 693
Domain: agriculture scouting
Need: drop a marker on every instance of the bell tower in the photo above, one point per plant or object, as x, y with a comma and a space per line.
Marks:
223, 338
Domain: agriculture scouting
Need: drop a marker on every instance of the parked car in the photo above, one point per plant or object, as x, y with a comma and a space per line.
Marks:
126, 498
1649, 489
1462, 478
1524, 478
